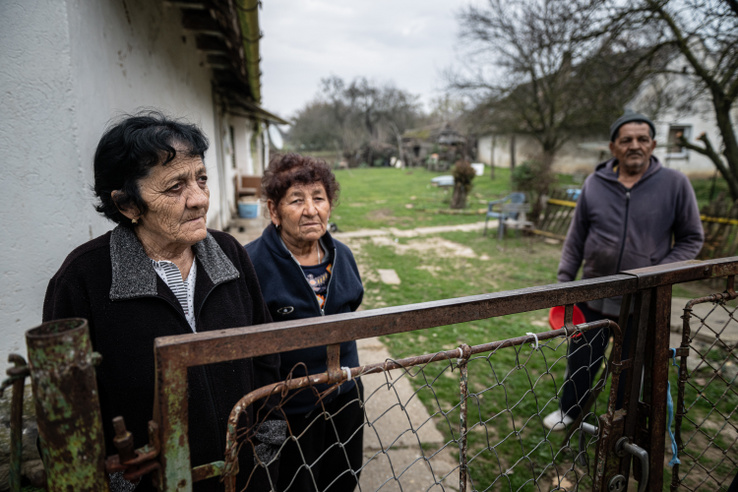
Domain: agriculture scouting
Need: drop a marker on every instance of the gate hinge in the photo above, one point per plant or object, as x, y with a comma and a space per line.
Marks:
680, 352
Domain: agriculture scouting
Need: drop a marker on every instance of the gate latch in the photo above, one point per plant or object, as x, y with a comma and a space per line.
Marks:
624, 446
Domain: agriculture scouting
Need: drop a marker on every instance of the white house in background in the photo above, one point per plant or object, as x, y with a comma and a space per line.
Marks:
582, 155
575, 157
70, 66
695, 115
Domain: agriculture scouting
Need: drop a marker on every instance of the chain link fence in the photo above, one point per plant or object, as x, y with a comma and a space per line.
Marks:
463, 419
706, 420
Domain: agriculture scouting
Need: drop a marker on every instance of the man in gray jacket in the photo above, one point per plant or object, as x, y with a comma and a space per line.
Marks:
632, 213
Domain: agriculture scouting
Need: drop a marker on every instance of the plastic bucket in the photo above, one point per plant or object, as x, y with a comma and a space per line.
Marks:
248, 210
556, 317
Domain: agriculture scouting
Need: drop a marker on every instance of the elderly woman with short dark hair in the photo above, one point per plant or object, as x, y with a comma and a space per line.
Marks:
304, 272
161, 272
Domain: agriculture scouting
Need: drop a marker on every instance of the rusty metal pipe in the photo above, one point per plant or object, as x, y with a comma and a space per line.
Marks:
17, 378
465, 353
67, 407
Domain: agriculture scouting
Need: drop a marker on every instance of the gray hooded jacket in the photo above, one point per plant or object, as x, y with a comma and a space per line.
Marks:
615, 228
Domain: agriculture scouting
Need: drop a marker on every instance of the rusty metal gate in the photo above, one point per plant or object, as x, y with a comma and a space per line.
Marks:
524, 448
489, 439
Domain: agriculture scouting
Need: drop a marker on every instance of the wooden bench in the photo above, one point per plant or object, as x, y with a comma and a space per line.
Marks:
247, 186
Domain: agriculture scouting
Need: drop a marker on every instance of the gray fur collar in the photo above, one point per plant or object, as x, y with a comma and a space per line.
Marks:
134, 276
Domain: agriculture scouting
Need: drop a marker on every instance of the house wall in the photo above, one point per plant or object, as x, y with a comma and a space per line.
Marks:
691, 163
686, 107
68, 68
244, 159
574, 157
581, 156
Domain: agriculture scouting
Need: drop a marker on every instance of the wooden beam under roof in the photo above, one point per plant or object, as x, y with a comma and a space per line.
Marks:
195, 21
212, 44
227, 31
219, 61
187, 4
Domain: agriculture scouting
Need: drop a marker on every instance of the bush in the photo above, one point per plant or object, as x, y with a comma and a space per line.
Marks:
463, 174
535, 179
532, 176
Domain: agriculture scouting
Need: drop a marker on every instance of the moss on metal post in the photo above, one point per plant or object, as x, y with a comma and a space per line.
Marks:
67, 407
171, 413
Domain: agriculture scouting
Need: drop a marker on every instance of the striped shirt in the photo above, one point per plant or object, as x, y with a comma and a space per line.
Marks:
183, 289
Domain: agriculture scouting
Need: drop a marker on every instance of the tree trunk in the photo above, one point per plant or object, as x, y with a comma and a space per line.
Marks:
543, 184
458, 199
730, 144
492, 141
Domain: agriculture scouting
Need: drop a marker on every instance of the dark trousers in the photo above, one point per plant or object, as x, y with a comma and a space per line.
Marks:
584, 359
328, 447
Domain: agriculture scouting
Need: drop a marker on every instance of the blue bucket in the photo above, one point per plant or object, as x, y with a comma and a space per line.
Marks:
248, 210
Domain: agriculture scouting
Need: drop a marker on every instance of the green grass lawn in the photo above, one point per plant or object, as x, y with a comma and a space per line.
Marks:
405, 198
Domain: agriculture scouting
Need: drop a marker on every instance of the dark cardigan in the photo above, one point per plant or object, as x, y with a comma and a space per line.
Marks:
110, 282
289, 296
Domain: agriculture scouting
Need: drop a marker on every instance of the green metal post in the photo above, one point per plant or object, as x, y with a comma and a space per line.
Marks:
65, 393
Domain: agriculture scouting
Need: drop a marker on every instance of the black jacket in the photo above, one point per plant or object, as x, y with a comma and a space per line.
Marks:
289, 296
110, 282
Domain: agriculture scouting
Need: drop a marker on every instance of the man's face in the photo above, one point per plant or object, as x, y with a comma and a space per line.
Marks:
633, 147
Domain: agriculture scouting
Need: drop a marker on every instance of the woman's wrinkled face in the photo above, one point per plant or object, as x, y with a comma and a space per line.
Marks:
303, 213
178, 198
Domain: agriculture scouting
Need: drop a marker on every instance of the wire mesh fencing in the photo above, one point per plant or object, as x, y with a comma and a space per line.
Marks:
706, 420
469, 418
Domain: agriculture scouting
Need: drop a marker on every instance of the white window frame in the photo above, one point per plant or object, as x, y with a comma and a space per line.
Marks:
684, 153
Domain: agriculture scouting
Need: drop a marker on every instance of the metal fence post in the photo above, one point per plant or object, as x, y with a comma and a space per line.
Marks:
655, 386
464, 354
60, 359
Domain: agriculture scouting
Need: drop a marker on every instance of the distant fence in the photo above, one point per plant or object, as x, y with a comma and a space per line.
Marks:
719, 220
556, 216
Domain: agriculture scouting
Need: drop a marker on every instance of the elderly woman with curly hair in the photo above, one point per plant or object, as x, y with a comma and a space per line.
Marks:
161, 272
304, 272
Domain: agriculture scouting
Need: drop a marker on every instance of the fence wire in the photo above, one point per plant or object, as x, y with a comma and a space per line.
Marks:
706, 424
470, 418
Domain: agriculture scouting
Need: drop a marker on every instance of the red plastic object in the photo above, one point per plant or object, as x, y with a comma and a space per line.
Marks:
556, 317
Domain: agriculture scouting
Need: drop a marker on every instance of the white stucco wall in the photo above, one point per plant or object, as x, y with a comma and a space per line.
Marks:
67, 68
243, 129
692, 163
572, 158
42, 192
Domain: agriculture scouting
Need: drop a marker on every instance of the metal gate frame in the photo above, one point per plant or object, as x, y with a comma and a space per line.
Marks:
641, 423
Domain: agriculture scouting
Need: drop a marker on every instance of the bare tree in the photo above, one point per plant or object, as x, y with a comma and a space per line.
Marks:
700, 38
362, 118
315, 127
535, 74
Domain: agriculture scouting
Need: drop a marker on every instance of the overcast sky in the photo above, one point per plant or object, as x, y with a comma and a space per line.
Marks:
408, 42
